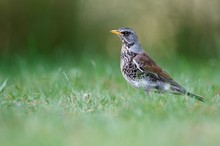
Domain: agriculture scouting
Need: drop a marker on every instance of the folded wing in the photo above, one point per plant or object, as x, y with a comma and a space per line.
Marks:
146, 64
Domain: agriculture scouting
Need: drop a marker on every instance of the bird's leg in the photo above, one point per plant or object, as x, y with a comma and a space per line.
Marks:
147, 91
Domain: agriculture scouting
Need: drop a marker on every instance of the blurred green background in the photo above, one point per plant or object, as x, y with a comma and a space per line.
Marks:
189, 28
60, 82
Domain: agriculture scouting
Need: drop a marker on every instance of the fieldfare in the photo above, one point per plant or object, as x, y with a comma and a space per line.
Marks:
141, 71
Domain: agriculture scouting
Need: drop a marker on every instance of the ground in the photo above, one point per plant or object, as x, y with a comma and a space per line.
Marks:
87, 102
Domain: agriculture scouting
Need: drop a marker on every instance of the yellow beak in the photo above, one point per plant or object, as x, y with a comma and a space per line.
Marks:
116, 32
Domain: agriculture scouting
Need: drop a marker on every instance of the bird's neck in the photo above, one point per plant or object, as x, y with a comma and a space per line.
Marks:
126, 54
129, 44
134, 47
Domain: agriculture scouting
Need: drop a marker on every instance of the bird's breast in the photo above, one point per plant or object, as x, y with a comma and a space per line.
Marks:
128, 68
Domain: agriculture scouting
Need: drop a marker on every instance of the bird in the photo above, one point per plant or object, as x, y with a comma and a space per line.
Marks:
141, 71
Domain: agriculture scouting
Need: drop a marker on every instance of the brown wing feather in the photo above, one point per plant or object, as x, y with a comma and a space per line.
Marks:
148, 65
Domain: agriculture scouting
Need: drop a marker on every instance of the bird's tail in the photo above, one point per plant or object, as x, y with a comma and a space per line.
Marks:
195, 96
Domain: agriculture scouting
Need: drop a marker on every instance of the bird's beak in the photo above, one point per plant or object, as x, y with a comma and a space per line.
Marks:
116, 32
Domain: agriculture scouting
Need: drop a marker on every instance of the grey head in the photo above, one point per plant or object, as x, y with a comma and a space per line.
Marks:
128, 38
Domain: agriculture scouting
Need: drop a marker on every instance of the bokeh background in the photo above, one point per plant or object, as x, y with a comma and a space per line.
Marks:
60, 82
55, 28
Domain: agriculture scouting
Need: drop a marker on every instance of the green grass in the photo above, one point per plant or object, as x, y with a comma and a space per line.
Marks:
87, 102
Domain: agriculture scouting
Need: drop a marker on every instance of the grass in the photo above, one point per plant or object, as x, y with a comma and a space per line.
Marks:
87, 102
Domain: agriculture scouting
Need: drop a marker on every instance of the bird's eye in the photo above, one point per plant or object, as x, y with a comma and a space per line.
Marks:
126, 33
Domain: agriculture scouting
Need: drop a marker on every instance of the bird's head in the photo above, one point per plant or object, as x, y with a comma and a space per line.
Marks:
127, 36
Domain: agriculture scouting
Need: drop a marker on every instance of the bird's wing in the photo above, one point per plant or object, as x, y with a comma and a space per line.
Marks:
146, 64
